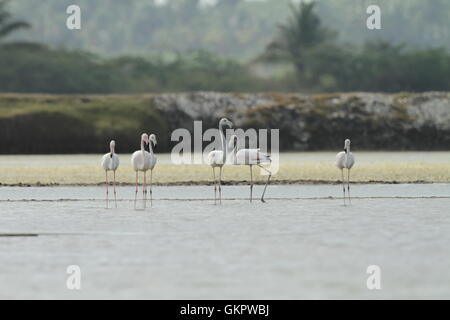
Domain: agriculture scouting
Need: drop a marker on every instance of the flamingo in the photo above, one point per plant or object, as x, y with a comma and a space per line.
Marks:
141, 161
217, 158
152, 144
110, 162
251, 157
345, 160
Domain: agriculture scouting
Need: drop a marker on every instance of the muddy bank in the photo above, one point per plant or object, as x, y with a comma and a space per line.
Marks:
210, 183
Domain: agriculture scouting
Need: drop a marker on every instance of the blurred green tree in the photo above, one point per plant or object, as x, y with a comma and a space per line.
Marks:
7, 24
302, 33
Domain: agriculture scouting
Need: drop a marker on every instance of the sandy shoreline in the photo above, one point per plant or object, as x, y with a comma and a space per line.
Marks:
295, 169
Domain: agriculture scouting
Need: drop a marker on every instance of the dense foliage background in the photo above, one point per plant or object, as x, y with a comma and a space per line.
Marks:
247, 46
233, 28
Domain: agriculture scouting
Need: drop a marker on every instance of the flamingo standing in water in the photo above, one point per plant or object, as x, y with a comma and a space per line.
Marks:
251, 157
217, 158
141, 162
345, 160
152, 159
110, 162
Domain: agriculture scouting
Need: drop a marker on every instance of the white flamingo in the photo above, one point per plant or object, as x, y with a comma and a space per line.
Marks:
141, 162
345, 160
152, 144
217, 158
110, 162
251, 157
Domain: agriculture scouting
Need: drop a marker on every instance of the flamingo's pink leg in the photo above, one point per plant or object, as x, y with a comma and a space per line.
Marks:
348, 188
251, 183
114, 186
220, 185
107, 190
144, 191
151, 187
267, 183
215, 186
137, 189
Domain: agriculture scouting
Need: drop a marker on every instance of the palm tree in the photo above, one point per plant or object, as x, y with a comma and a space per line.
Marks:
7, 25
302, 32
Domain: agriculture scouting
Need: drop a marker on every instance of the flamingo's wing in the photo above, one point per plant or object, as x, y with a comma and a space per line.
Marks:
215, 157
105, 161
350, 161
152, 161
137, 160
115, 162
340, 159
251, 157
264, 157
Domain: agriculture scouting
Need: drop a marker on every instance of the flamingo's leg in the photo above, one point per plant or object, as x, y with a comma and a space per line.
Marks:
267, 183
114, 186
144, 191
215, 186
343, 184
251, 183
107, 189
151, 187
348, 187
220, 185
137, 189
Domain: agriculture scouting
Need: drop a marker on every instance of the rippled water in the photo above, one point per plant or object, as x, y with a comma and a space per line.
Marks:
302, 244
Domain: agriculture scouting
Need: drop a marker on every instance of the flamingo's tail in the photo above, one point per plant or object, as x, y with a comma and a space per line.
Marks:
265, 157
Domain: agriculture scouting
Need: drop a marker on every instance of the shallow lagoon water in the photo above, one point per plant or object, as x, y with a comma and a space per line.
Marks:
302, 244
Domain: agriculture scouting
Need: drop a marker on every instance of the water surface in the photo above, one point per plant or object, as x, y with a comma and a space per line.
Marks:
301, 244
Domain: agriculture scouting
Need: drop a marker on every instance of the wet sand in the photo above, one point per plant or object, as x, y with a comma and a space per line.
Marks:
295, 168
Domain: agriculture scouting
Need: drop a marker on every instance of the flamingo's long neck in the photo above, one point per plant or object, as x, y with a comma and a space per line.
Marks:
347, 152
224, 146
112, 151
142, 146
150, 147
235, 152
